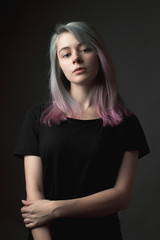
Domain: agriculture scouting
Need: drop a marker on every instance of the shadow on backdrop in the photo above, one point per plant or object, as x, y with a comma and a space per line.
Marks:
131, 34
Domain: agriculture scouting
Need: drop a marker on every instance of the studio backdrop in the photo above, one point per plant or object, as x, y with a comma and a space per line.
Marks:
130, 30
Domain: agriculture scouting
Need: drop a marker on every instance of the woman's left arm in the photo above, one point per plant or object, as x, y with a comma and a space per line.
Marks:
108, 201
99, 204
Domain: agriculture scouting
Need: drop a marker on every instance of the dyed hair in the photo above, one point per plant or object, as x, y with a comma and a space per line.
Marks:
106, 97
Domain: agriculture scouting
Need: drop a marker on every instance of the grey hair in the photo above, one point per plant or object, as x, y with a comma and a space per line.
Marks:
59, 85
106, 97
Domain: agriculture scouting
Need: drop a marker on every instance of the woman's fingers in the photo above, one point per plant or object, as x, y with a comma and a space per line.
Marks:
35, 213
25, 215
30, 225
27, 206
27, 203
26, 210
27, 220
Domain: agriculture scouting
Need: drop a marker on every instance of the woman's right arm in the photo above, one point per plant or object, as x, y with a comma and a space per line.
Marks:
34, 190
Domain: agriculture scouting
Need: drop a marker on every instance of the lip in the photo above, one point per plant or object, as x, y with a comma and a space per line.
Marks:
80, 69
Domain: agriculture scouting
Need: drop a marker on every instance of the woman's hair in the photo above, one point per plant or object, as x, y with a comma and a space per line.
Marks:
105, 98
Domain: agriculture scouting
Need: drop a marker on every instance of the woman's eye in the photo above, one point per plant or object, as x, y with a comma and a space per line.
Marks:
85, 50
66, 55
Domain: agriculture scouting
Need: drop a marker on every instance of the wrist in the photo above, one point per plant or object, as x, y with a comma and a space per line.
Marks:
63, 208
57, 208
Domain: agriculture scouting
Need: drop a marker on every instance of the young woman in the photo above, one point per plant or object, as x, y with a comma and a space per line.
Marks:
80, 149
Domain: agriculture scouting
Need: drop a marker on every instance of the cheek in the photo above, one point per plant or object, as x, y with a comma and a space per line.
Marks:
65, 69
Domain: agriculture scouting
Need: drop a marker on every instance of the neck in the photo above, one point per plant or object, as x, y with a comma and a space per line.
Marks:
82, 94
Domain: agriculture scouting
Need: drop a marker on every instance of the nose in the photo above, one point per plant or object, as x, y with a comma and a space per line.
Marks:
76, 59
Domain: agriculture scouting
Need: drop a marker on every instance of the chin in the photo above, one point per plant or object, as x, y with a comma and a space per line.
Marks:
82, 80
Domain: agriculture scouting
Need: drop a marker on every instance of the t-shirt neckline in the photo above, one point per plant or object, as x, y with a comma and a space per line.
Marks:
83, 120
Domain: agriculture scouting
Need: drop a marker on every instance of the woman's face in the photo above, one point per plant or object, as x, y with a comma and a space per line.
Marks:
78, 62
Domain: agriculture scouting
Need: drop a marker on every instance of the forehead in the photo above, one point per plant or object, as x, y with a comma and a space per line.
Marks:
66, 39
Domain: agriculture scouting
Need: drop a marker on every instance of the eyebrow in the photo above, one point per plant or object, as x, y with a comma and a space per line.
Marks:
64, 48
67, 47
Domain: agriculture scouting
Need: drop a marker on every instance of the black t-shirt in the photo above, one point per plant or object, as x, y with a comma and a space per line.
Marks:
80, 157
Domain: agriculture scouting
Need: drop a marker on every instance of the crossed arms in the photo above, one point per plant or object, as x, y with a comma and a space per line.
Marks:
37, 211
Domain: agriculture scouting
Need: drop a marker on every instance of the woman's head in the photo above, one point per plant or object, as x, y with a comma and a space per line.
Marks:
78, 61
106, 97
84, 34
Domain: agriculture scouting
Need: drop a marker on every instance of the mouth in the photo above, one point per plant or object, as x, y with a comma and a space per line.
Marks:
80, 69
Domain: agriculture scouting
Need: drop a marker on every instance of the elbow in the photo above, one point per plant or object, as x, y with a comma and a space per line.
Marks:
125, 203
124, 200
125, 206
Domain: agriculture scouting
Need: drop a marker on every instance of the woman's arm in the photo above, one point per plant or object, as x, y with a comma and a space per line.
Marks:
105, 202
96, 205
34, 190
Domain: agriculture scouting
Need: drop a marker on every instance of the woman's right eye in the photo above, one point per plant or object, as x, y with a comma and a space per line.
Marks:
66, 55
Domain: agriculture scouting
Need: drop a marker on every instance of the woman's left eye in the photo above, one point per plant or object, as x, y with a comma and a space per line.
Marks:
85, 50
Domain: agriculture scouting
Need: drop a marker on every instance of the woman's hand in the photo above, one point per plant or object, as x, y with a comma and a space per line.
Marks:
37, 213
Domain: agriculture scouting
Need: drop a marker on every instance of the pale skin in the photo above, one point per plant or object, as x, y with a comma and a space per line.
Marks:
71, 55
37, 211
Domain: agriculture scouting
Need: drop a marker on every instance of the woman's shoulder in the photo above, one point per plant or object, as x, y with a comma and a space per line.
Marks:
38, 108
34, 113
130, 125
129, 121
132, 117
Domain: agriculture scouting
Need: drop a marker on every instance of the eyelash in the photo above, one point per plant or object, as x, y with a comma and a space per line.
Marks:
66, 55
83, 50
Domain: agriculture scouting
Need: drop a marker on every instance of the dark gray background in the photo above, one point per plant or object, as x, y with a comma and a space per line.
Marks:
131, 31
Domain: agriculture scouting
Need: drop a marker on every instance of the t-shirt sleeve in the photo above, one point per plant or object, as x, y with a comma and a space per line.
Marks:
132, 136
28, 143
